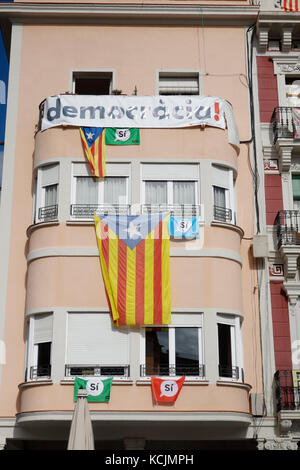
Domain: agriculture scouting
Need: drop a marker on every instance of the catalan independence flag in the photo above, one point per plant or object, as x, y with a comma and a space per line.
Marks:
290, 5
135, 262
93, 140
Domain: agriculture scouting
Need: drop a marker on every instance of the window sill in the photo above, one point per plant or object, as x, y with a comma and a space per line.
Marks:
147, 381
123, 381
236, 228
37, 225
232, 383
80, 222
34, 383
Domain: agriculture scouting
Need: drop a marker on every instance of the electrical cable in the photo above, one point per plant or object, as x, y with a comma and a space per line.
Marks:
251, 30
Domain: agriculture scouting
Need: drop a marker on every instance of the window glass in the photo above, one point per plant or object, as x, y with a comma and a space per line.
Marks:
296, 191
51, 195
219, 197
225, 350
157, 351
187, 351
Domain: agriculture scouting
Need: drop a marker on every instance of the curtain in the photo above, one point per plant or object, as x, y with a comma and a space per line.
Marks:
115, 190
51, 195
219, 197
86, 190
156, 192
184, 192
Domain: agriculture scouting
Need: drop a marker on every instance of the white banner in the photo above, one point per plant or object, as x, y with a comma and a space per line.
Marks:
133, 111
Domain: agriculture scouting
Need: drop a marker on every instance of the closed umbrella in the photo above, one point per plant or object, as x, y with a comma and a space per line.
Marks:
81, 433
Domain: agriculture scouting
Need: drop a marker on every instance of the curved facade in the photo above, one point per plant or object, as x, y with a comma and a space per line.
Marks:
55, 301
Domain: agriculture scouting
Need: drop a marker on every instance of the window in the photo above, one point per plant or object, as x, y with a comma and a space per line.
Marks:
40, 345
47, 193
179, 83
171, 187
95, 347
296, 191
223, 194
92, 83
173, 351
229, 348
90, 194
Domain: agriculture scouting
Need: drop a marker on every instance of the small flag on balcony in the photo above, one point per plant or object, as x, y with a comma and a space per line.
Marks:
166, 390
93, 141
296, 122
186, 228
98, 390
289, 5
114, 136
135, 262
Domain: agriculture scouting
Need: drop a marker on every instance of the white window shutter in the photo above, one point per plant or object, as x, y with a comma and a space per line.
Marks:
92, 340
43, 327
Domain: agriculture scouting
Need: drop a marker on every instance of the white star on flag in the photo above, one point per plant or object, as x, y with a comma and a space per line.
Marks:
90, 135
133, 230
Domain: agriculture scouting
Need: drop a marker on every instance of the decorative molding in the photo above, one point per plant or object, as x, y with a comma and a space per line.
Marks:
276, 270
277, 444
271, 164
285, 426
263, 38
109, 13
286, 38
292, 290
290, 256
284, 151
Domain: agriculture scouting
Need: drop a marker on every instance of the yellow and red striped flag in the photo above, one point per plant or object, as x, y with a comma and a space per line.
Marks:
135, 262
290, 5
93, 141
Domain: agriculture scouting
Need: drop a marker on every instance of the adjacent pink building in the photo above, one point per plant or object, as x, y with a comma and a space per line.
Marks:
54, 318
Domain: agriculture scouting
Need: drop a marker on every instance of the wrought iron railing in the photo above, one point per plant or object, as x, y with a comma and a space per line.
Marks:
38, 372
288, 227
176, 210
48, 213
71, 370
235, 373
222, 214
283, 123
87, 211
287, 394
172, 370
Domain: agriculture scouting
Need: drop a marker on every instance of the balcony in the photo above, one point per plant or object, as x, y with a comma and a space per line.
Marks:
287, 393
71, 370
48, 213
87, 211
222, 214
173, 370
40, 372
288, 228
176, 210
283, 123
233, 373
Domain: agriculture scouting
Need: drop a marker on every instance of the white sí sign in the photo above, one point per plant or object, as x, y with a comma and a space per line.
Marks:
133, 111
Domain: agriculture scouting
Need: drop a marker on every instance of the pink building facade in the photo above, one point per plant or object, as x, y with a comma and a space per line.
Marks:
54, 317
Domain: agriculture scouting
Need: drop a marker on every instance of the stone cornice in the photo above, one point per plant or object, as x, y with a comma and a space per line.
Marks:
133, 12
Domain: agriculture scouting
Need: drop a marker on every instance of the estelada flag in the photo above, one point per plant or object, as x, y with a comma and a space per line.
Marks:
135, 262
290, 5
93, 141
166, 390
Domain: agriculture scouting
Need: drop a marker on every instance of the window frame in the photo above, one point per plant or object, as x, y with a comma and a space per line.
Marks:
177, 73
234, 322
178, 322
228, 186
40, 192
92, 73
33, 346
113, 172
